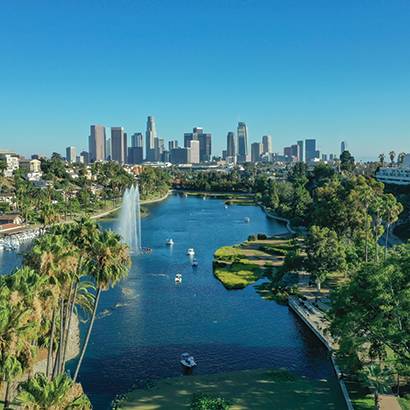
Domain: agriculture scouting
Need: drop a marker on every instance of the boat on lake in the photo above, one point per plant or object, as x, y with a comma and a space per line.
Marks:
190, 252
247, 219
187, 360
170, 242
178, 278
195, 263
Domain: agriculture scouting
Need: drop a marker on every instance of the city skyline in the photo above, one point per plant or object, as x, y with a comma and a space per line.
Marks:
333, 72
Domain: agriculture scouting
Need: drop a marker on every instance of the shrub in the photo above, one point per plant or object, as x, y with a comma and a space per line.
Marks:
251, 238
202, 401
262, 236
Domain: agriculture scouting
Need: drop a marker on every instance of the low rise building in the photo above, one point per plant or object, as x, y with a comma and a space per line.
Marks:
398, 175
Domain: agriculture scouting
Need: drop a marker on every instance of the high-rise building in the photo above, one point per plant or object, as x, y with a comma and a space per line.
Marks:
242, 142
108, 149
150, 135
231, 145
301, 156
295, 151
205, 142
172, 145
310, 147
180, 155
96, 143
84, 157
195, 151
118, 144
287, 152
256, 151
137, 140
135, 155
71, 154
343, 147
267, 144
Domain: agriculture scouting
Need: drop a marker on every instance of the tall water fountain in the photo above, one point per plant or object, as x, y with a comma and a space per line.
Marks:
129, 226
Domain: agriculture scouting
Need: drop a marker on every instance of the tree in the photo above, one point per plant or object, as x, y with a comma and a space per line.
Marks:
109, 262
391, 211
43, 394
392, 155
381, 159
371, 313
347, 162
400, 157
325, 253
379, 379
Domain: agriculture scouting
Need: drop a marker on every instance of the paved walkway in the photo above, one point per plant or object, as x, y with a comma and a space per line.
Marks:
389, 402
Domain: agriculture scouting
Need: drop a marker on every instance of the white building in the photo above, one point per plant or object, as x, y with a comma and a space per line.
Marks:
194, 146
395, 175
12, 164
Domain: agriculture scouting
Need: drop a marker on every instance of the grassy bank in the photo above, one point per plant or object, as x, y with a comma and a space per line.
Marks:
249, 389
241, 265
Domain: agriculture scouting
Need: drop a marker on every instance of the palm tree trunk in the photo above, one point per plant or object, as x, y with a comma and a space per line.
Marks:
62, 326
386, 241
50, 348
70, 315
87, 337
7, 396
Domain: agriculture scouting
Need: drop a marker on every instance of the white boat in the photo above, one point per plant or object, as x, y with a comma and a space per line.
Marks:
187, 360
226, 206
178, 278
170, 242
195, 263
190, 252
247, 219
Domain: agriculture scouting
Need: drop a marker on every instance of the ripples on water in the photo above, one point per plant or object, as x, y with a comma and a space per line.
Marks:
146, 322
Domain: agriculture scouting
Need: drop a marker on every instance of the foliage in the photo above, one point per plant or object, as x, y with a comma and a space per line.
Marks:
202, 401
41, 393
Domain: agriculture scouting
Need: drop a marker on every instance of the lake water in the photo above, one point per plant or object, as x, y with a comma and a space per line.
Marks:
147, 321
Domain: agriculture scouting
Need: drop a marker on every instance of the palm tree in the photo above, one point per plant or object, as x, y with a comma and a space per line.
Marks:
40, 393
400, 157
379, 379
392, 155
109, 262
381, 159
392, 210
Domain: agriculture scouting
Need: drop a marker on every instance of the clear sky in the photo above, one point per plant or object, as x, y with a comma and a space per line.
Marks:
327, 69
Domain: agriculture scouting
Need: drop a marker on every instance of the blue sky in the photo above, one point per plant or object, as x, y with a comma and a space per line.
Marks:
327, 69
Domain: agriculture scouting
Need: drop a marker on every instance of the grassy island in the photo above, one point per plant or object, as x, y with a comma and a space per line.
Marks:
238, 266
249, 389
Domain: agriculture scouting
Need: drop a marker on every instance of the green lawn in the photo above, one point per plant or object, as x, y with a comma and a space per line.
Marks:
238, 275
249, 389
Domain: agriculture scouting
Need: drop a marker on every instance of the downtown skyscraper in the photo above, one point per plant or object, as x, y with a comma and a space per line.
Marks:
205, 142
150, 136
242, 142
267, 144
96, 143
119, 145
231, 145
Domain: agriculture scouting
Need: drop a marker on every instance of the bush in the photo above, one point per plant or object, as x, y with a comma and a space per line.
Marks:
262, 236
251, 238
203, 401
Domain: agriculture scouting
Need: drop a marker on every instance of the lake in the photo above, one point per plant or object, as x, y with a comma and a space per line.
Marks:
147, 321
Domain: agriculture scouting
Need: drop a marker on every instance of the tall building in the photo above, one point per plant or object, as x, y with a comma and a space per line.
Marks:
180, 155
287, 152
96, 143
256, 151
71, 154
137, 140
108, 149
301, 156
310, 147
343, 147
231, 145
150, 135
172, 145
118, 145
267, 144
205, 142
195, 151
295, 151
242, 142
135, 155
